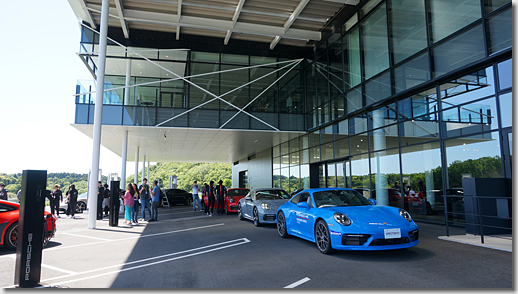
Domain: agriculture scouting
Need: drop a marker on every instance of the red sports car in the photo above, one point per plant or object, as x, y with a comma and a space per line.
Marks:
231, 199
9, 214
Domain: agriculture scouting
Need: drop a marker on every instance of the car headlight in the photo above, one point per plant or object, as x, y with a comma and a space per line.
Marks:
265, 206
342, 219
405, 215
231, 200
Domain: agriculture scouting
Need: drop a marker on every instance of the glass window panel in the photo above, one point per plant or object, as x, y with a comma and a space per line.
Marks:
263, 101
378, 88
277, 178
87, 35
285, 161
322, 79
112, 115
208, 84
340, 177
291, 92
342, 129
384, 138
294, 158
359, 144
470, 118
304, 154
492, 5
351, 22
314, 139
478, 156
412, 73
408, 25
468, 88
450, 16
141, 51
383, 116
294, 145
326, 134
285, 175
360, 172
352, 47
337, 107
304, 176
354, 99
505, 74
276, 151
331, 175
172, 54
234, 59
311, 89
322, 175
357, 125
384, 172
81, 114
459, 51
416, 131
327, 151
375, 42
285, 148
294, 178
314, 154
205, 57
304, 143
368, 6
229, 82
500, 31
342, 148
257, 60
421, 166
506, 109
276, 162
422, 104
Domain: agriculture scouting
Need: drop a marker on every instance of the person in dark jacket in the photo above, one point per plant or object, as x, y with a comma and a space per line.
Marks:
220, 192
56, 198
106, 200
3, 192
100, 195
210, 198
72, 200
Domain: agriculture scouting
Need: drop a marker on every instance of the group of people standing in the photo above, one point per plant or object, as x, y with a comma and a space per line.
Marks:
215, 196
141, 196
56, 197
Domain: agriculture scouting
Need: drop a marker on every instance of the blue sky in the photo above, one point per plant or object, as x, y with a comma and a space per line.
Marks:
39, 71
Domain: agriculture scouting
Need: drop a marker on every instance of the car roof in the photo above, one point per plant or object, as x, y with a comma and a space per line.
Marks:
238, 189
312, 190
268, 189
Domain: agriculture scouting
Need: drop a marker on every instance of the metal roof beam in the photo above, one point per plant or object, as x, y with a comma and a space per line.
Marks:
213, 24
234, 19
179, 15
124, 24
86, 12
274, 42
295, 14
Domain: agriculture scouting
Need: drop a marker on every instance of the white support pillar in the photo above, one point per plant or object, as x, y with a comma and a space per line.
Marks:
96, 150
124, 160
380, 144
143, 167
147, 174
128, 82
136, 165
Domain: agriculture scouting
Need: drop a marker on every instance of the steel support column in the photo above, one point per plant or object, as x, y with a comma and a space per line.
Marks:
136, 165
96, 150
124, 160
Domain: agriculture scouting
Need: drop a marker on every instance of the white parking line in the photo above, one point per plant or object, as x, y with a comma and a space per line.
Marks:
217, 246
53, 268
85, 236
298, 283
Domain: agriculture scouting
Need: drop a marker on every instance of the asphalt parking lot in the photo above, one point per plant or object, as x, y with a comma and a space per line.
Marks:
189, 250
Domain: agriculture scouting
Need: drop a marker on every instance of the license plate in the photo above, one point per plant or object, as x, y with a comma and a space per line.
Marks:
392, 233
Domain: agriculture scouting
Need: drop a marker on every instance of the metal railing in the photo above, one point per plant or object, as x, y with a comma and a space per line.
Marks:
474, 220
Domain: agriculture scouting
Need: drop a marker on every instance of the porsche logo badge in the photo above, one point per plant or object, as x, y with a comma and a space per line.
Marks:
384, 223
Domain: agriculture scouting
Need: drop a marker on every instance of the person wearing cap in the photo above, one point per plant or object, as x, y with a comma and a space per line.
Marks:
56, 197
220, 192
3, 192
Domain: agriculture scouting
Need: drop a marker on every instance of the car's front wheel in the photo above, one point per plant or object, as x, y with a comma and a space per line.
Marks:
188, 200
11, 236
239, 212
256, 217
322, 237
80, 206
281, 225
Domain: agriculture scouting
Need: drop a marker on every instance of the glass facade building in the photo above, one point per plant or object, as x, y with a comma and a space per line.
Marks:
400, 97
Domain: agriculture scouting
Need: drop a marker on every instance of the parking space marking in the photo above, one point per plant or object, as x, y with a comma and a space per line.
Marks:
188, 253
298, 283
85, 236
53, 268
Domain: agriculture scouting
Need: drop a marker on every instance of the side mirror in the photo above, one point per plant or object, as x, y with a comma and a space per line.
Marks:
373, 201
304, 205
248, 198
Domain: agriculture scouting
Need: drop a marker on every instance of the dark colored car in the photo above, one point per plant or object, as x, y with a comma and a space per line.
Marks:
9, 215
178, 196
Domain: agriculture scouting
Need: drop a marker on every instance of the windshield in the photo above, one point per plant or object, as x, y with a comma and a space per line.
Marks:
238, 192
339, 198
271, 195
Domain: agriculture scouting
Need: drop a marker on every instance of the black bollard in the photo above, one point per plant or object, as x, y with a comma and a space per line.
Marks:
114, 204
30, 229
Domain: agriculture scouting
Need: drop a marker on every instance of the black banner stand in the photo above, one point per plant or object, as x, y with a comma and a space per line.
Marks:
114, 204
30, 229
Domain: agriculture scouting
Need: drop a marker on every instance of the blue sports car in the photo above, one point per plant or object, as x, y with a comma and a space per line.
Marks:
339, 218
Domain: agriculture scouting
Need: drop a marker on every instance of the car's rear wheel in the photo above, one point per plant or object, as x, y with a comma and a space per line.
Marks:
281, 225
80, 206
239, 212
322, 237
46, 235
11, 236
256, 217
225, 208
188, 200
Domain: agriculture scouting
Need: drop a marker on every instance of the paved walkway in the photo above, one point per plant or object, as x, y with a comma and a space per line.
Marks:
499, 242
